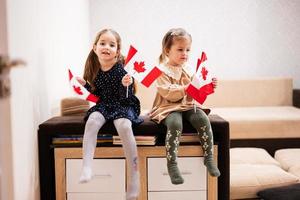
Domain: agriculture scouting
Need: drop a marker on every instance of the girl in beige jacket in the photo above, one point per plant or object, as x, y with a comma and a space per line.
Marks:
172, 104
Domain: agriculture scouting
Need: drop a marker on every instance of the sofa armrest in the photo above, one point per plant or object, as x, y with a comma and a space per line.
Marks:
296, 98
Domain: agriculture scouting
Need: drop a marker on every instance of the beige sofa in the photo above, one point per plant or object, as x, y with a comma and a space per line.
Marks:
261, 113
257, 108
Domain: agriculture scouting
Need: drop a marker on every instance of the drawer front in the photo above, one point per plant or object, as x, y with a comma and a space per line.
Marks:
108, 176
96, 196
183, 195
192, 169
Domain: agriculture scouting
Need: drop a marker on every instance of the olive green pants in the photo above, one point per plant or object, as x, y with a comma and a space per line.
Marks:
199, 120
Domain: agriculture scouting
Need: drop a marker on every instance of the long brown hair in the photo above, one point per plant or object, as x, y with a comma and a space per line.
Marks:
92, 64
168, 40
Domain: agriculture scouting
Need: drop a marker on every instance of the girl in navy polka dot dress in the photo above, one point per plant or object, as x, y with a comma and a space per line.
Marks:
105, 77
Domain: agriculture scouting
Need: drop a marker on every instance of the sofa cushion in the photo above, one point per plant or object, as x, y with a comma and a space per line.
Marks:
261, 122
252, 92
251, 156
289, 160
73, 106
247, 179
288, 157
290, 192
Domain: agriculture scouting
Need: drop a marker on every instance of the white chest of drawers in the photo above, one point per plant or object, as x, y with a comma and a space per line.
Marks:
110, 170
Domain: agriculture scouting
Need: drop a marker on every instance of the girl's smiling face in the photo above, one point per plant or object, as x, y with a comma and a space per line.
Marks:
178, 54
107, 47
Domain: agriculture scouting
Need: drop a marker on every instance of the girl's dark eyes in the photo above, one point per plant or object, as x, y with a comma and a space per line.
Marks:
183, 50
103, 44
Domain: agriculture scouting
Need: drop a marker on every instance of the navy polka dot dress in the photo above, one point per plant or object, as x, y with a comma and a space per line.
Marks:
113, 103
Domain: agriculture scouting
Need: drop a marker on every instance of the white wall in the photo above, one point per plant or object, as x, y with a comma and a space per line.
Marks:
242, 38
50, 36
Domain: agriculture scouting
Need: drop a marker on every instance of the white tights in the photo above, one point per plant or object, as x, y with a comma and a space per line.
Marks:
123, 126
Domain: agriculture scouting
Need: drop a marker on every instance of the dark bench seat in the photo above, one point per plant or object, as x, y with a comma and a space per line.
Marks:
75, 125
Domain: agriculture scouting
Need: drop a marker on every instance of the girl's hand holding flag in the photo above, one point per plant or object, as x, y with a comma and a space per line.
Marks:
214, 82
126, 81
77, 85
81, 80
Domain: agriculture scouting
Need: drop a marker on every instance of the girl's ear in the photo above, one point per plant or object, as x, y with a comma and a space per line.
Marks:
167, 52
94, 48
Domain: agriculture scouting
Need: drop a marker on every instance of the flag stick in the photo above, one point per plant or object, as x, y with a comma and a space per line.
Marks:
127, 91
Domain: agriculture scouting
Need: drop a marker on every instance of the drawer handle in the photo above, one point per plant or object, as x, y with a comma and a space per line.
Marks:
102, 176
182, 173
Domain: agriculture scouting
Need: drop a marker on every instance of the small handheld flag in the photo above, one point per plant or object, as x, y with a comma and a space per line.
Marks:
81, 91
136, 66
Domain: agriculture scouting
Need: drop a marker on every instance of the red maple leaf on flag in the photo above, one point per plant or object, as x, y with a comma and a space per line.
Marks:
204, 73
139, 66
77, 90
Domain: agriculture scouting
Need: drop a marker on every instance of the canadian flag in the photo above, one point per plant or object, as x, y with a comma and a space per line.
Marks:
80, 91
201, 85
136, 66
